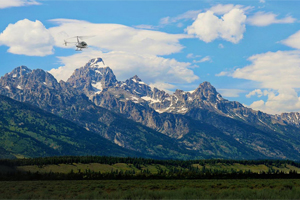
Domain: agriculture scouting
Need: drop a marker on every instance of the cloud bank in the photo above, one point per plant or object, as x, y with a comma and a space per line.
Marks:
293, 41
265, 19
118, 37
151, 69
17, 3
27, 38
277, 74
191, 14
127, 50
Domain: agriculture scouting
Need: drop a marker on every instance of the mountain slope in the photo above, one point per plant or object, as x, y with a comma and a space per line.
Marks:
239, 130
27, 131
40, 88
133, 115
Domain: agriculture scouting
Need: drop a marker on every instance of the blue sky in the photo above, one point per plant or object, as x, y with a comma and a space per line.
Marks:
248, 50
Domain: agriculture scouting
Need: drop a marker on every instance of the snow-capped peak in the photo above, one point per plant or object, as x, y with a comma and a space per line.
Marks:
20, 71
95, 63
136, 79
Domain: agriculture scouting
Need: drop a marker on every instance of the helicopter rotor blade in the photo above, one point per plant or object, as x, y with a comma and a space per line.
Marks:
85, 37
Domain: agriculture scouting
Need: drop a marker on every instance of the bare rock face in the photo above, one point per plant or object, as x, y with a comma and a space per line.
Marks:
174, 114
41, 89
93, 78
292, 118
33, 86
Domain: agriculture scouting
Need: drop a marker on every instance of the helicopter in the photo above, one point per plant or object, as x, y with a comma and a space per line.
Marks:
79, 44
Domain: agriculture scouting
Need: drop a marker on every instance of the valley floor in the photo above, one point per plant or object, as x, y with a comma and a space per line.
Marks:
152, 189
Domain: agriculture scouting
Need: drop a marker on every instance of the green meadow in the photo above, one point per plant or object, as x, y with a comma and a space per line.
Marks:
152, 189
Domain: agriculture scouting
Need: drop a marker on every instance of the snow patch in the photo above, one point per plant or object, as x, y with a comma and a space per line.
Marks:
98, 87
94, 62
192, 91
134, 99
7, 87
116, 140
167, 99
176, 100
160, 111
19, 87
15, 75
99, 72
136, 92
183, 110
169, 109
146, 98
219, 97
139, 82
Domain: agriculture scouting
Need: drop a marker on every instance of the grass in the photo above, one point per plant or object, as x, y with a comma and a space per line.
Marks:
66, 168
152, 189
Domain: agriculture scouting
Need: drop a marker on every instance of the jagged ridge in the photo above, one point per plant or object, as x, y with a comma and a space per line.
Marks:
198, 123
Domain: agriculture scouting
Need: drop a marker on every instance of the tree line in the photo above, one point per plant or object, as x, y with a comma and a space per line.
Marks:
175, 173
137, 162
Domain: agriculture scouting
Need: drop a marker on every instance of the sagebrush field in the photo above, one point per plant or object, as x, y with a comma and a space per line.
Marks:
152, 189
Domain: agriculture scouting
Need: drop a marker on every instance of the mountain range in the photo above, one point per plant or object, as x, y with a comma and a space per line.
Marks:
140, 120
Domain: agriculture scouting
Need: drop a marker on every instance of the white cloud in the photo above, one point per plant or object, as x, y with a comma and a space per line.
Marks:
150, 68
231, 92
262, 1
28, 38
163, 86
293, 41
116, 37
273, 70
128, 51
145, 26
224, 73
221, 46
277, 73
205, 59
282, 100
221, 9
256, 92
17, 3
208, 26
165, 20
179, 25
191, 55
265, 19
191, 14
205, 27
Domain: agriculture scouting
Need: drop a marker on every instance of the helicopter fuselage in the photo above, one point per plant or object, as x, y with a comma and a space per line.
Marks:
81, 45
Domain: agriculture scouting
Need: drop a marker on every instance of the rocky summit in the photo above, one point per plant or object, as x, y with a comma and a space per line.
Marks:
145, 119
